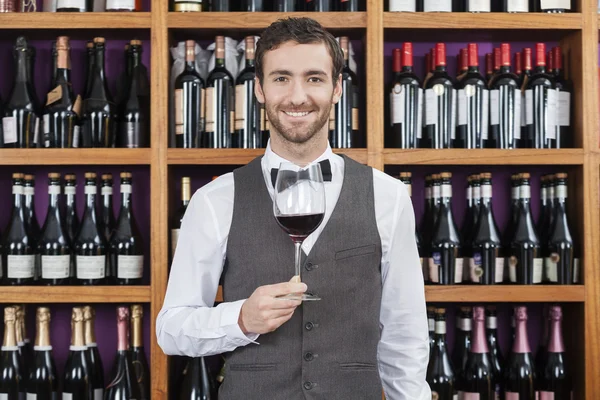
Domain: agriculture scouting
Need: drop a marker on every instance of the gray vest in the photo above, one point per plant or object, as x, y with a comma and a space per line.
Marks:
328, 349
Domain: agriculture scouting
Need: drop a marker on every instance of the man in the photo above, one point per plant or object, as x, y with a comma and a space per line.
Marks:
370, 326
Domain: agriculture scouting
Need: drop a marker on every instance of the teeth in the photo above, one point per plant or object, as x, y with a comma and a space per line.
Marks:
296, 114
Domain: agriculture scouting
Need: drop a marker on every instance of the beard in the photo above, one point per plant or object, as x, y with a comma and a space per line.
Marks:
297, 133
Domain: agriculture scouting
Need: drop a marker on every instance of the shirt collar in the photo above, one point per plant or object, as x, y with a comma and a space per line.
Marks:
272, 160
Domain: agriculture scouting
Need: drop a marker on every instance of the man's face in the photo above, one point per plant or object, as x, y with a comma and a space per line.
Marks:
297, 90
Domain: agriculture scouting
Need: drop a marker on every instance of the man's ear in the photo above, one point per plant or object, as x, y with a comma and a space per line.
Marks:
337, 90
258, 91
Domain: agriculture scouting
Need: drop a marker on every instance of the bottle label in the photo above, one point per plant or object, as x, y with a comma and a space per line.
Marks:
403, 5
524, 107
560, 192
98, 394
55, 267
462, 106
525, 192
511, 396
241, 102
130, 267
78, 4
431, 106
174, 239
3, 396
76, 134
210, 109
517, 6
551, 120
17, 189
468, 396
538, 266
20, 267
419, 113
120, 5
499, 270
464, 324
469, 194
70, 190
126, 188
9, 124
107, 191
546, 395
476, 192
440, 327
431, 323
475, 270
88, 189
446, 190
518, 111
564, 108
437, 191
551, 267
453, 119
46, 124
67, 396
479, 6
512, 269
485, 115
179, 111
491, 323
494, 107
437, 5
28, 191
434, 267
54, 95
555, 4
529, 107
576, 268
458, 270
486, 191
91, 267
53, 189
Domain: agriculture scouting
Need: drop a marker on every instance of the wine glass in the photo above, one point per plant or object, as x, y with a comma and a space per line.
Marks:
299, 206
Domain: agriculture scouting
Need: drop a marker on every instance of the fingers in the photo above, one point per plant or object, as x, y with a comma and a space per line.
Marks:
281, 289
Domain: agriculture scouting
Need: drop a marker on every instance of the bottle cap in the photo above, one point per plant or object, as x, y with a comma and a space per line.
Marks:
485, 175
29, 177
440, 311
136, 42
489, 64
99, 40
90, 44
125, 175
90, 175
185, 179
407, 54
473, 55
77, 314
518, 63
88, 313
137, 311
527, 59
540, 54
465, 309
463, 60
405, 174
440, 54
396, 60
555, 313
445, 175
70, 177
54, 175
42, 314
497, 58
558, 58
106, 176
505, 54
525, 175
10, 314
17, 175
560, 175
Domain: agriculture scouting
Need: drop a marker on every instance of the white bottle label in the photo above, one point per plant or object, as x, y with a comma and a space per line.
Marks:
446, 190
523, 109
431, 110
70, 190
76, 132
9, 124
538, 265
98, 394
491, 323
67, 396
120, 5
564, 109
130, 267
555, 4
494, 107
462, 107
91, 267
125, 188
17, 189
475, 270
397, 101
551, 120
174, 239
403, 5
437, 5
479, 6
560, 192
87, 189
106, 190
525, 192
576, 268
20, 267
78, 4
512, 269
486, 191
551, 267
434, 268
55, 267
486, 115
518, 112
499, 269
419, 113
31, 396
529, 107
518, 6
3, 396
453, 115
458, 270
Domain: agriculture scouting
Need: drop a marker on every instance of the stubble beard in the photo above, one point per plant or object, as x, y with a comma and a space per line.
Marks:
297, 134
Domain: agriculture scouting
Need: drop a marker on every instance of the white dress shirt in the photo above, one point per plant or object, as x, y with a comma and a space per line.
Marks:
190, 325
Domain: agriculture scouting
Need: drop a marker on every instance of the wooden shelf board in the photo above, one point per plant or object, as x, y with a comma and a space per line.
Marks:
252, 20
75, 156
517, 21
505, 293
51, 20
75, 294
483, 157
236, 156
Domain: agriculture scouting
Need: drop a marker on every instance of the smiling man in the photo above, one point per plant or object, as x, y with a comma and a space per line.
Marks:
370, 329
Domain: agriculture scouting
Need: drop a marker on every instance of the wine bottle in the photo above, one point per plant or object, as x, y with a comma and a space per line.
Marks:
446, 263
71, 218
134, 128
126, 250
17, 242
462, 63
518, 61
488, 258
427, 227
477, 376
27, 348
555, 6
189, 102
440, 374
123, 385
197, 382
540, 103
21, 110
19, 334
431, 324
252, 5
90, 244
348, 5
247, 108
554, 378
496, 358
406, 101
524, 80
514, 214
219, 102
440, 104
90, 56
221, 5
138, 355
95, 368
71, 6
121, 5
402, 5
564, 88
505, 105
470, 224
54, 246
11, 371
107, 217
526, 263
77, 382
285, 6
515, 6
31, 221
406, 178
477, 6
99, 111
178, 217
544, 224
489, 67
542, 352
43, 379
462, 340
437, 5
346, 129
519, 374
61, 113
473, 105
429, 68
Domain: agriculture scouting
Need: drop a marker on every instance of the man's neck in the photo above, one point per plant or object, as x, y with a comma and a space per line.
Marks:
300, 154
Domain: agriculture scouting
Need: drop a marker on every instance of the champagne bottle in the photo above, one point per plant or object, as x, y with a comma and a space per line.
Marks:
440, 375
95, 368
219, 102
71, 218
20, 118
77, 383
123, 385
124, 76
431, 322
542, 352
90, 245
178, 218
406, 178
189, 102
43, 379
427, 227
197, 383
90, 56
54, 246
554, 378
11, 372
126, 250
248, 134
519, 374
17, 244
138, 355
19, 334
496, 358
470, 224
107, 217
30, 217
509, 232
462, 340
346, 128
544, 225
27, 348
541, 99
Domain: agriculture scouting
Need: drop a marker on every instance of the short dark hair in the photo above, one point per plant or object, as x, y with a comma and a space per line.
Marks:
301, 31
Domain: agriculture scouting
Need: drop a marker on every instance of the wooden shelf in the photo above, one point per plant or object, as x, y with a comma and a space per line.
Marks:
75, 294
250, 20
505, 293
483, 157
75, 156
236, 156
50, 20
519, 21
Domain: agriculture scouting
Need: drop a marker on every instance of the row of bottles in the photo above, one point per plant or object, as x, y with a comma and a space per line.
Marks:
71, 5
477, 6
264, 5
223, 112
478, 254
509, 108
91, 250
31, 372
478, 370
96, 119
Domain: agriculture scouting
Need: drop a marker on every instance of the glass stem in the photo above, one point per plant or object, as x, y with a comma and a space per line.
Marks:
298, 247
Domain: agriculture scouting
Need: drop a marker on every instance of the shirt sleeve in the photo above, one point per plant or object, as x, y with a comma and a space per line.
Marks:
403, 350
188, 324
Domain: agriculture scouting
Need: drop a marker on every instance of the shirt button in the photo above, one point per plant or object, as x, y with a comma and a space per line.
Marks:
309, 356
308, 385
309, 326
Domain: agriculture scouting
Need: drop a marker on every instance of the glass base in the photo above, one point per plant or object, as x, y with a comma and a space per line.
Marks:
301, 297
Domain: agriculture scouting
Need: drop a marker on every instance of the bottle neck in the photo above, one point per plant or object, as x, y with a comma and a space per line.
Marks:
70, 195
22, 71
10, 338
486, 196
90, 199
89, 331
220, 62
440, 332
107, 196
77, 336
479, 343
464, 324
126, 197
122, 335
521, 344
556, 344
446, 194
53, 194
42, 335
17, 191
136, 326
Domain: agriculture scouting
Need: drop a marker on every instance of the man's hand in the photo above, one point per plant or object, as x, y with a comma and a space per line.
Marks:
264, 313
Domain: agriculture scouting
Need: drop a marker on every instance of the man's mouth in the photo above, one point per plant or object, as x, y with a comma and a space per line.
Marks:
296, 114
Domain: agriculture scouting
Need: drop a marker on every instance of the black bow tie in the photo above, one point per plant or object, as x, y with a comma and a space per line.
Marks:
325, 170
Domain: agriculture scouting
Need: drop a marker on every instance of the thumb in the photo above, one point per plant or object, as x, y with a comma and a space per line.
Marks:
295, 279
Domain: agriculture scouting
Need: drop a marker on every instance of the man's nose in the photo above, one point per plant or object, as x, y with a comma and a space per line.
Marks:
297, 95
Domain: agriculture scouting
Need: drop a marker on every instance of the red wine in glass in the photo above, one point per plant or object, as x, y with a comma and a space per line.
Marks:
301, 225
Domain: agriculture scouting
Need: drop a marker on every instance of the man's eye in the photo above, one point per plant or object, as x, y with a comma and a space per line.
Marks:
280, 79
315, 79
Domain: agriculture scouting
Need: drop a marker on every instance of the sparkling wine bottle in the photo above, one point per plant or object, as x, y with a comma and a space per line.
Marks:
248, 134
189, 102
27, 348
427, 226
431, 324
406, 178
43, 379
30, 217
20, 335
462, 340
514, 6
107, 216
519, 374
11, 372
71, 218
496, 358
555, 6
544, 224
138, 355
90, 58
95, 368
470, 224
554, 378
77, 383
440, 374
198, 382
178, 217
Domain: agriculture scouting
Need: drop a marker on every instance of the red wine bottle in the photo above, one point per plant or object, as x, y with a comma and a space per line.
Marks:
462, 340
126, 249
71, 218
540, 103
107, 216
17, 243
519, 374
462, 61
526, 262
446, 263
95, 368
496, 358
198, 383
518, 61
138, 355
178, 217
489, 67
440, 374
473, 105
90, 245
440, 104
11, 371
564, 88
554, 378
524, 80
43, 379
77, 382
477, 378
346, 128
189, 102
348, 5
248, 134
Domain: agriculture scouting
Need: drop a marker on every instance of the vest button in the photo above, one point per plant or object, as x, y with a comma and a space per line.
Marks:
309, 326
308, 266
308, 385
309, 356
